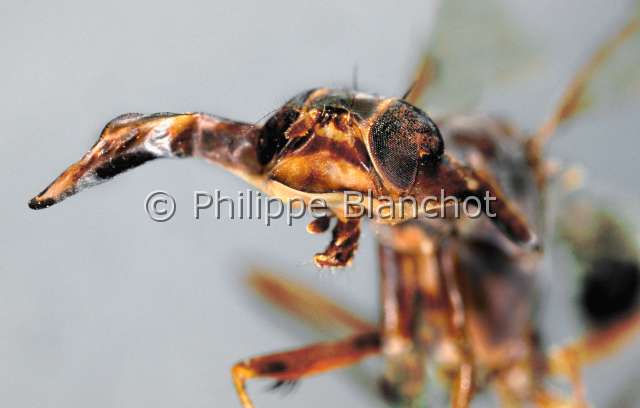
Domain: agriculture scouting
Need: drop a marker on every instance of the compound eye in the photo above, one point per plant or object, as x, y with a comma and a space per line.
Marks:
400, 139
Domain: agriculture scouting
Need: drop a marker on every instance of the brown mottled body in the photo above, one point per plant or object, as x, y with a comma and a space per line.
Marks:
449, 305
458, 292
321, 143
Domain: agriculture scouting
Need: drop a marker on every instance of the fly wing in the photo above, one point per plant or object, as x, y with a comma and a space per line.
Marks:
474, 43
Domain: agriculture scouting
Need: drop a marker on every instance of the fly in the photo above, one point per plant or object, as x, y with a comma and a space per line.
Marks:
458, 293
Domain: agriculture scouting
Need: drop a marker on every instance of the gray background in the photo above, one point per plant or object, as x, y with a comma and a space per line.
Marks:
101, 307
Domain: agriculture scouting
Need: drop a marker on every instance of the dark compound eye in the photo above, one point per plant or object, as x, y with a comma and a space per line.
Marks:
610, 290
401, 138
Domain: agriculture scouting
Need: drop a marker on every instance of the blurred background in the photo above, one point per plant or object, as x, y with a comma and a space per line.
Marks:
102, 307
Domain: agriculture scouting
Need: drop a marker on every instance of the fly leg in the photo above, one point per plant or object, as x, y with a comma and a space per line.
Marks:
463, 385
569, 359
573, 99
404, 377
343, 244
291, 366
307, 304
597, 344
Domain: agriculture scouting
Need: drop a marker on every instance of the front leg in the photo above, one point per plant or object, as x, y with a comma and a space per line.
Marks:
343, 244
290, 366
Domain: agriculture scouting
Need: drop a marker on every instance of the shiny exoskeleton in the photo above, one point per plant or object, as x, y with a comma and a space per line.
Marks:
458, 292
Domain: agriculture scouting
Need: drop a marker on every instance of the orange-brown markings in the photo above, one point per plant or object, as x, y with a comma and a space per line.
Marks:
122, 145
596, 345
303, 125
321, 172
116, 139
319, 225
424, 76
306, 304
306, 361
569, 360
333, 158
343, 245
295, 364
182, 134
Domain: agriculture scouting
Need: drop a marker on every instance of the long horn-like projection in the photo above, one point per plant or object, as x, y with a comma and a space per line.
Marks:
133, 139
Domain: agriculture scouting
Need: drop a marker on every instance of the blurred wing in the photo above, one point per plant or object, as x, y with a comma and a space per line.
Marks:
474, 44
